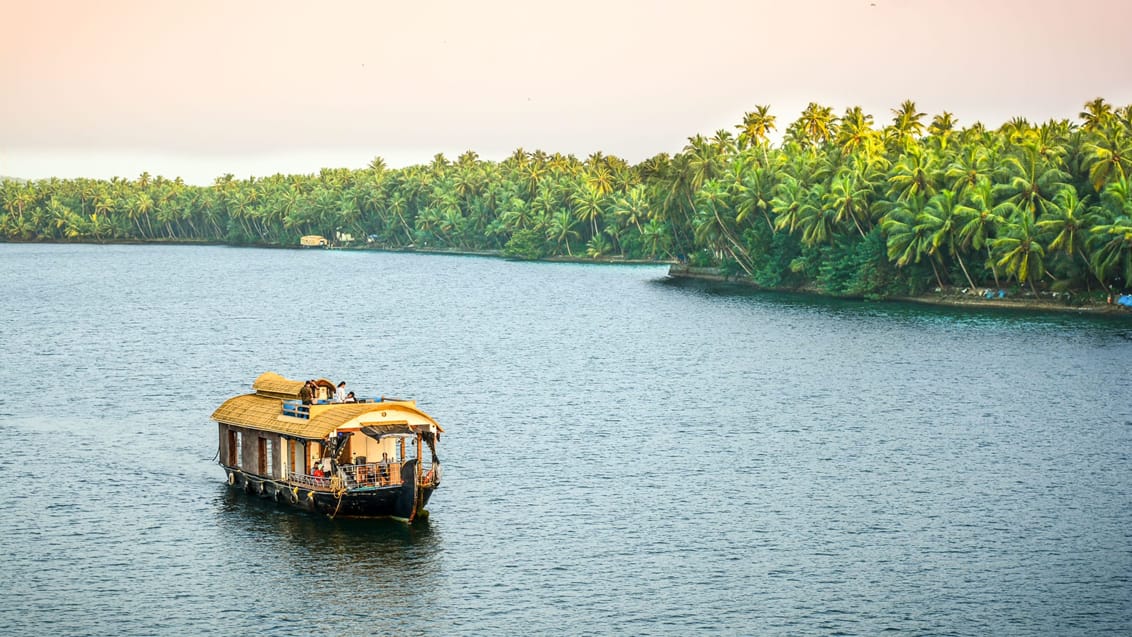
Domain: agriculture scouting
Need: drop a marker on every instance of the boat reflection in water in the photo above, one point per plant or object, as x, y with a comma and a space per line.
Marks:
308, 452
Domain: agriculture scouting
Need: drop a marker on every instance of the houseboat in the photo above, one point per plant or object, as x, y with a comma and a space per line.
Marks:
365, 459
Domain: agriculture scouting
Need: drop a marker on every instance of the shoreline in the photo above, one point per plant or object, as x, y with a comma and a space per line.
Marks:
494, 254
950, 297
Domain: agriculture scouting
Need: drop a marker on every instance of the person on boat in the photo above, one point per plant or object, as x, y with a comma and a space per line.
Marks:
305, 394
318, 473
383, 467
350, 398
340, 393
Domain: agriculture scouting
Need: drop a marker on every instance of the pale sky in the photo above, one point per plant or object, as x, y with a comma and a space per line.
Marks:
202, 88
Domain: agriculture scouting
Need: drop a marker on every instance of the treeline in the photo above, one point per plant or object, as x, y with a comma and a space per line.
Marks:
842, 205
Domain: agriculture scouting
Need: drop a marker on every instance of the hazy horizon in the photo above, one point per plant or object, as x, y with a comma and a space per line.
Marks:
258, 88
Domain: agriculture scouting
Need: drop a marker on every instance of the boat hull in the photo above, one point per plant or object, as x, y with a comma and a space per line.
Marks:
399, 502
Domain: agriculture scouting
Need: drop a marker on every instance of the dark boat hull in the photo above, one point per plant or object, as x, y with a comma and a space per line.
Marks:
400, 502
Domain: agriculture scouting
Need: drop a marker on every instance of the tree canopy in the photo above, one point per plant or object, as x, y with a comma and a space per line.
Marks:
840, 205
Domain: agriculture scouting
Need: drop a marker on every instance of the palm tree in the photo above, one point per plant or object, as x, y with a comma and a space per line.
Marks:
1021, 252
561, 229
981, 216
1111, 158
942, 128
1112, 252
1035, 178
632, 208
942, 217
907, 241
913, 176
713, 223
967, 169
753, 194
588, 204
1069, 220
817, 222
790, 204
1097, 116
655, 237
907, 122
756, 128
848, 198
817, 123
856, 130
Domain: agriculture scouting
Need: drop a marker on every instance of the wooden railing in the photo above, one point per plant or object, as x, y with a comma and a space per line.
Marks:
372, 474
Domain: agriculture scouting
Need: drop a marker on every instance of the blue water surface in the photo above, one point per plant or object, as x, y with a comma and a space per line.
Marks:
624, 454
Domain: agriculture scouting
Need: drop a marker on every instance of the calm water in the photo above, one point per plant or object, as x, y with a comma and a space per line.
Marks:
624, 455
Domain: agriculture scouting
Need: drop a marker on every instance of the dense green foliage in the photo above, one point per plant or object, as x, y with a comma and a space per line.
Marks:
841, 205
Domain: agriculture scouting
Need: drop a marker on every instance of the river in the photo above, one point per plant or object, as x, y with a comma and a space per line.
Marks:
624, 454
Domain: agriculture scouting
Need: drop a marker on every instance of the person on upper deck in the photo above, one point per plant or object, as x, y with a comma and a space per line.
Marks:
305, 393
350, 398
340, 393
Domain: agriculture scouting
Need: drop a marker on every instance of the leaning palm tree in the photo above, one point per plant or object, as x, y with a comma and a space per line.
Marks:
980, 215
943, 218
560, 229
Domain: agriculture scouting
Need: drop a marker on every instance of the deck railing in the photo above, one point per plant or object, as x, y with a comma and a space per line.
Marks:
310, 481
374, 474
296, 409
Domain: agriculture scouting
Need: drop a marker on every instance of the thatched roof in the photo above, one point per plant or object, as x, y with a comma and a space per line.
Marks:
272, 384
256, 411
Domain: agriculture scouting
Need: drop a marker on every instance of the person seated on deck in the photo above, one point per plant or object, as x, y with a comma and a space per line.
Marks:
383, 467
318, 472
350, 398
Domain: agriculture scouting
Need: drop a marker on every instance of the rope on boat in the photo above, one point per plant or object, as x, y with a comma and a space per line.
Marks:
339, 490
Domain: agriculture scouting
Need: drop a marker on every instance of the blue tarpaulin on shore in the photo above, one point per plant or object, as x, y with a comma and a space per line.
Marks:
1125, 300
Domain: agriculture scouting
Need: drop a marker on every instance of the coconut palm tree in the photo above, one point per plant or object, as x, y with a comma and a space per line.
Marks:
790, 204
907, 123
560, 229
755, 129
943, 219
1019, 248
942, 128
817, 124
906, 240
1097, 116
855, 131
1069, 221
848, 198
1109, 158
913, 175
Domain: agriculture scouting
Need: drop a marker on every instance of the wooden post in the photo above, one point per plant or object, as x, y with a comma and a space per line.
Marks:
420, 459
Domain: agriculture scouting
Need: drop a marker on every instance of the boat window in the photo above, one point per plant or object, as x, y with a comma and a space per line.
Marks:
270, 449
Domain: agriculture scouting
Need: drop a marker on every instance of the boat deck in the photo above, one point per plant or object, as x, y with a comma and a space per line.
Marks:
373, 474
